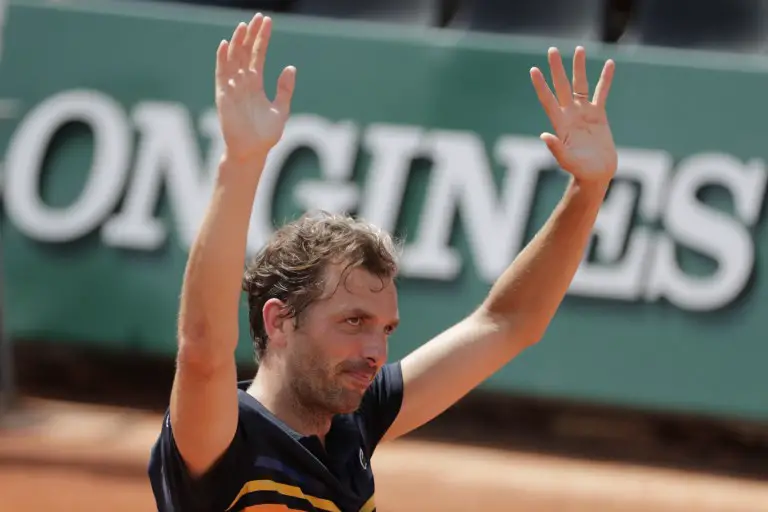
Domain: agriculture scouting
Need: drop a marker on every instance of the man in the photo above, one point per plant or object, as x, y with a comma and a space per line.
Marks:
322, 305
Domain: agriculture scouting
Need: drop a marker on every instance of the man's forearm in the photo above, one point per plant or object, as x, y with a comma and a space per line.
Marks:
213, 277
528, 293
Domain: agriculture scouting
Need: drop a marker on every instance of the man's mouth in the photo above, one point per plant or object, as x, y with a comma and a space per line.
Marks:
361, 378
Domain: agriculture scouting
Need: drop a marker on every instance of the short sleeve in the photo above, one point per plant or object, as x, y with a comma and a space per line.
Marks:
176, 490
381, 404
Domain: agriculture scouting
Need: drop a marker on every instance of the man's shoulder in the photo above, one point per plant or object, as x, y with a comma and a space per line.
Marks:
254, 420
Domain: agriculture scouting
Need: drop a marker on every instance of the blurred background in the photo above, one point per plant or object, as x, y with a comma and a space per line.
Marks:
649, 391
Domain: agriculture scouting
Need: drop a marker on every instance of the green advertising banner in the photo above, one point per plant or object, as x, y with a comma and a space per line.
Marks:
109, 140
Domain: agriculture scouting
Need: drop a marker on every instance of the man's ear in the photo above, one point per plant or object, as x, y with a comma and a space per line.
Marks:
276, 322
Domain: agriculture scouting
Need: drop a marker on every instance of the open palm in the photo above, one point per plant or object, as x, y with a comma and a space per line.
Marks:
251, 124
582, 144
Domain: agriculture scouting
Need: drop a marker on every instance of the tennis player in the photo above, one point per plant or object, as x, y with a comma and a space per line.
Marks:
323, 304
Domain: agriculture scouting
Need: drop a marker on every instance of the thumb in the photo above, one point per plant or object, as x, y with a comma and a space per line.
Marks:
555, 146
285, 85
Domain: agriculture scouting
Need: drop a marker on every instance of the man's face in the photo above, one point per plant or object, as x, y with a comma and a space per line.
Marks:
341, 340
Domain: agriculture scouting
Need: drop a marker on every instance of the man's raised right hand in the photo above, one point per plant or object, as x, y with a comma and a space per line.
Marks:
250, 123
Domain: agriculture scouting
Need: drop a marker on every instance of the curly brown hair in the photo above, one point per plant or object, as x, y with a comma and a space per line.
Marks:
291, 267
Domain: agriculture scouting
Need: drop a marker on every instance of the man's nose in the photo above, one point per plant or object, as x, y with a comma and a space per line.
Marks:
375, 350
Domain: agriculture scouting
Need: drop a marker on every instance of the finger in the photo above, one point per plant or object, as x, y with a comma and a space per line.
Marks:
580, 82
236, 46
555, 146
221, 63
546, 98
604, 85
250, 37
259, 51
286, 83
559, 78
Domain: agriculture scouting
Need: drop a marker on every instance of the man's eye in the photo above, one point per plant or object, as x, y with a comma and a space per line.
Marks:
354, 321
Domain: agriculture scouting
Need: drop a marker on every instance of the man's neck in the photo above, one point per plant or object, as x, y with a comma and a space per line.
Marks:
280, 400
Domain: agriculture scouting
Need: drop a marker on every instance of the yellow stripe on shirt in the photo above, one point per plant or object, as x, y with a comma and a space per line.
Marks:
370, 505
270, 508
285, 490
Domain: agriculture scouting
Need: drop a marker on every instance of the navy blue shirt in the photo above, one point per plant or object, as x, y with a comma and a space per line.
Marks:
269, 466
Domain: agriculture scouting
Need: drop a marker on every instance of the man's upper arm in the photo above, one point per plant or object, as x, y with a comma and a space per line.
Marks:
203, 411
441, 372
180, 482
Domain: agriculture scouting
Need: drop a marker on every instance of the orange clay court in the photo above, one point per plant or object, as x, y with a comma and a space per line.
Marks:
48, 462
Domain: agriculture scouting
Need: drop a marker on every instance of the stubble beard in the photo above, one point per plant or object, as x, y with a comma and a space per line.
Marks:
321, 394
